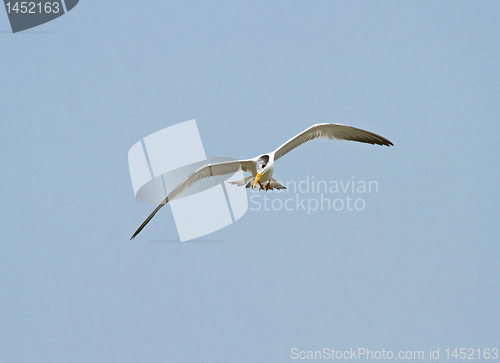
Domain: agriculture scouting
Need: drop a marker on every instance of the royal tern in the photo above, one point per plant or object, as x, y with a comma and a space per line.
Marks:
262, 166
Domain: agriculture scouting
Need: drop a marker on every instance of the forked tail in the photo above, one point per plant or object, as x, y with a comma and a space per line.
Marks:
248, 183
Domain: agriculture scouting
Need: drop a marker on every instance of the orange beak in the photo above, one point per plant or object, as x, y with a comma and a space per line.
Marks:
256, 180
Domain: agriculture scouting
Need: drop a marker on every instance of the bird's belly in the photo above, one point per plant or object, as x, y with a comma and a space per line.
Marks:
268, 174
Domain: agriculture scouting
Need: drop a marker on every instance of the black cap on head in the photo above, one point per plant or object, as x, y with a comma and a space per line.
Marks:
262, 161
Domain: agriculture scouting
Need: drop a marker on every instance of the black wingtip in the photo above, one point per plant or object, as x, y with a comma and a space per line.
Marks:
136, 233
385, 142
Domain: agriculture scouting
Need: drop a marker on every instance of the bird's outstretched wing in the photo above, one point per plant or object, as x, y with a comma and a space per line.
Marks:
330, 132
205, 171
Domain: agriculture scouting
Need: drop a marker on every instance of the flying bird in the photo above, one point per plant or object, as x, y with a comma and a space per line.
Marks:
262, 167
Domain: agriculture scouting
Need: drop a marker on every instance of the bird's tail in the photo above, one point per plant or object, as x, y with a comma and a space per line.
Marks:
275, 185
247, 182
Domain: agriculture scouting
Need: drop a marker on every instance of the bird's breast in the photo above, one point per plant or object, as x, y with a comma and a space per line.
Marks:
268, 174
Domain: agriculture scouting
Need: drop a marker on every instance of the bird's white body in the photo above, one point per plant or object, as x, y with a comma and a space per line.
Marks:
268, 173
262, 167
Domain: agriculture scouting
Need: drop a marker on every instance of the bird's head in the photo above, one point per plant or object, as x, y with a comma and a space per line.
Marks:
261, 167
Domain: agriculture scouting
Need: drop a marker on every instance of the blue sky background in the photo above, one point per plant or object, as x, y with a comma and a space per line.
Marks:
417, 269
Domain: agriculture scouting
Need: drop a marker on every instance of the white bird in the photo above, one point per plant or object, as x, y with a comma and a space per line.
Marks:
262, 167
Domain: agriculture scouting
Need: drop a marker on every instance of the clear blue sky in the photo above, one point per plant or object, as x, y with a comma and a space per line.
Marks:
417, 269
